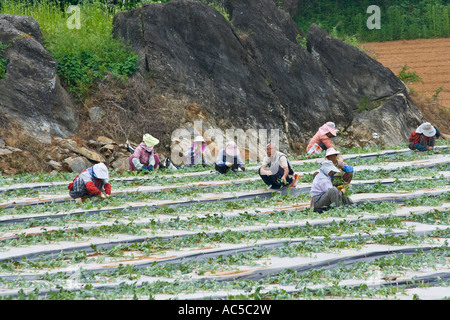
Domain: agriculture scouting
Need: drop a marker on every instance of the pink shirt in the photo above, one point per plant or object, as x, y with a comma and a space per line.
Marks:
318, 138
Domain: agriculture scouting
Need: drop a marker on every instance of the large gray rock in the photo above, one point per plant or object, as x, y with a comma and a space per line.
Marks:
31, 93
360, 82
85, 152
253, 72
76, 164
194, 53
290, 6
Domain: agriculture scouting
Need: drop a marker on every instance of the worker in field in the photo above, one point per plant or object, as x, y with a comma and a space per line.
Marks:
346, 172
91, 182
323, 193
229, 158
322, 140
144, 157
197, 153
424, 137
276, 171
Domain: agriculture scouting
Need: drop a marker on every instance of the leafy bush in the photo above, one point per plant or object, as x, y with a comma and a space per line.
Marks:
84, 55
408, 76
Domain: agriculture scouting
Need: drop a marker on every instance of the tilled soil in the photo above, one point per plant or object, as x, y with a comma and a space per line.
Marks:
429, 58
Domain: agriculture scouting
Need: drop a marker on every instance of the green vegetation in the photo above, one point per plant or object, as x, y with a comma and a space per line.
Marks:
86, 55
411, 19
3, 62
408, 76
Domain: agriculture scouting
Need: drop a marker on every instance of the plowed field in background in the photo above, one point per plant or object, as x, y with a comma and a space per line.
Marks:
429, 58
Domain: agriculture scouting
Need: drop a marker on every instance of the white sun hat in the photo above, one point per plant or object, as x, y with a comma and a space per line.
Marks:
331, 151
327, 166
199, 139
101, 171
427, 129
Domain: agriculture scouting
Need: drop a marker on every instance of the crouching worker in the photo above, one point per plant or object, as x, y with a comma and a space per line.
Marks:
346, 171
322, 140
196, 154
144, 157
91, 182
323, 194
229, 158
276, 170
424, 137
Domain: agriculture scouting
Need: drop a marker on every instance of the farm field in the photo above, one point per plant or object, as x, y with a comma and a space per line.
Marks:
429, 58
196, 234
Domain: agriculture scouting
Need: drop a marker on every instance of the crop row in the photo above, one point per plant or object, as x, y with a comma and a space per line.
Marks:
359, 160
126, 278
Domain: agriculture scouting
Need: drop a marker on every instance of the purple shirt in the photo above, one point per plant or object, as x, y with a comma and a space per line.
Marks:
321, 184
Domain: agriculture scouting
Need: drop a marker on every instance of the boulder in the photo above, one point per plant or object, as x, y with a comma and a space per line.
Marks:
120, 164
31, 93
76, 164
96, 114
201, 60
102, 140
57, 166
89, 154
252, 73
6, 150
373, 99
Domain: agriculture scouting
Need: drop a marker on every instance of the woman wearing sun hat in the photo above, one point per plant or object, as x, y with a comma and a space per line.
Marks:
91, 182
346, 171
424, 137
323, 193
144, 157
322, 139
196, 154
229, 158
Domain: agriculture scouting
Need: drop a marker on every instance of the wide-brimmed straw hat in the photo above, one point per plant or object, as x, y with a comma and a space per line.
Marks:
328, 127
426, 129
331, 151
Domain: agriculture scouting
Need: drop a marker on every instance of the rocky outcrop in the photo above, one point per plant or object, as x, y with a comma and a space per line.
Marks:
194, 53
72, 156
255, 71
31, 94
290, 6
375, 100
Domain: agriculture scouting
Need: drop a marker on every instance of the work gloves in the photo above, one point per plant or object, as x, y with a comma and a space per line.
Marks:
348, 169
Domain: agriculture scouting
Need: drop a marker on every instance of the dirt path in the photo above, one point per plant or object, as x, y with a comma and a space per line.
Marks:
429, 58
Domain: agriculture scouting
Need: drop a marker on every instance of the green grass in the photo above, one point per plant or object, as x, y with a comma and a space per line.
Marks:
86, 55
3, 62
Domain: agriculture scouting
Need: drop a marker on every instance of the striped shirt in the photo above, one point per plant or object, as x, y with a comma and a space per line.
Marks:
79, 184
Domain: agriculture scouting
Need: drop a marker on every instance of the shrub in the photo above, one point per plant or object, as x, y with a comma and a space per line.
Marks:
84, 55
407, 76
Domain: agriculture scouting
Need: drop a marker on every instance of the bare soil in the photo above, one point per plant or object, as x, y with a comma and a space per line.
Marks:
429, 58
